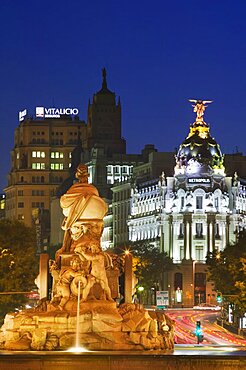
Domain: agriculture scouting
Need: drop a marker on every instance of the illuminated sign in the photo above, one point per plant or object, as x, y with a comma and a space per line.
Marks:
22, 115
199, 180
42, 112
162, 298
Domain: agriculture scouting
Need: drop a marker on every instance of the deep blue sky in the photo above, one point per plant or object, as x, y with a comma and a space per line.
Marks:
157, 54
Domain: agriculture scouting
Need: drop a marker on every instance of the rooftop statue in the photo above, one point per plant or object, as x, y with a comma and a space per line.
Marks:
199, 107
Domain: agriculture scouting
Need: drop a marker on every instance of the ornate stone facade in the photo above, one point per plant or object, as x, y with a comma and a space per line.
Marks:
196, 211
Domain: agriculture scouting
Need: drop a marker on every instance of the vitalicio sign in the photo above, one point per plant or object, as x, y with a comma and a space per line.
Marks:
43, 112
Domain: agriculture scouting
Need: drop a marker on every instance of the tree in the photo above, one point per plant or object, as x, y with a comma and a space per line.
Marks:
227, 269
18, 263
150, 264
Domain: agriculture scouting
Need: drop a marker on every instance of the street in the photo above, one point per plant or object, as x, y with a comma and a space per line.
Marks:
185, 320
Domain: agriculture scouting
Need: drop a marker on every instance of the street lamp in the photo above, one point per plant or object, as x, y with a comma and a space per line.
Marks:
193, 278
140, 290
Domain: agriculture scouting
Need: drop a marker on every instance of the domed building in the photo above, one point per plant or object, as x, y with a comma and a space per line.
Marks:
197, 210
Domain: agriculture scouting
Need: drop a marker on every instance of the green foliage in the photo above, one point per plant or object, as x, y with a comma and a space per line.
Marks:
227, 269
18, 263
150, 264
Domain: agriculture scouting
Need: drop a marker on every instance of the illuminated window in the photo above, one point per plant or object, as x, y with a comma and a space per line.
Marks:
38, 154
38, 166
56, 155
56, 166
199, 252
17, 155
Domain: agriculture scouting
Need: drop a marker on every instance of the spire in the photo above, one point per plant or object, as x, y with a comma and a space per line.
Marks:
104, 89
104, 83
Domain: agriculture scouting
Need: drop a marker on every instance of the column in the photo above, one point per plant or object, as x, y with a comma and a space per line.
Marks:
185, 238
43, 275
187, 254
190, 239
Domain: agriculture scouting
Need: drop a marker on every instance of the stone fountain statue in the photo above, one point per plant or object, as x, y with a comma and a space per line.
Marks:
82, 272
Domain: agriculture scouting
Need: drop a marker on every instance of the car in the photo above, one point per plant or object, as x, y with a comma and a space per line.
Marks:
207, 306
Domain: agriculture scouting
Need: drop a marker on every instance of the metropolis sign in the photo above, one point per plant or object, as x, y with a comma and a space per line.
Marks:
199, 180
42, 112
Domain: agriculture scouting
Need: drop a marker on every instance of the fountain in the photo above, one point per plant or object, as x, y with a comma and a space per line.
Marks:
83, 310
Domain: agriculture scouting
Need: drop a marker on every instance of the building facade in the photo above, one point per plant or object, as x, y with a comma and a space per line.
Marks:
197, 210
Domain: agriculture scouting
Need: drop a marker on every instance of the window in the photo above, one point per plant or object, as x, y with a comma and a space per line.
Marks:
37, 192
20, 205
38, 166
181, 230
182, 252
217, 231
199, 252
199, 202
199, 230
178, 281
37, 204
216, 203
38, 154
56, 166
20, 193
182, 202
56, 155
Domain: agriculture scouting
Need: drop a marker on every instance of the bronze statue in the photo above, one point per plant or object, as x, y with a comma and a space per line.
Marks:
199, 107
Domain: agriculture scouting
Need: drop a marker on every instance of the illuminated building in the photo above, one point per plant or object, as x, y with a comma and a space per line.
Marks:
189, 214
45, 148
2, 205
40, 161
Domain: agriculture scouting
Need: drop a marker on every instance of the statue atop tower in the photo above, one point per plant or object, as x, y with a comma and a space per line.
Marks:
199, 108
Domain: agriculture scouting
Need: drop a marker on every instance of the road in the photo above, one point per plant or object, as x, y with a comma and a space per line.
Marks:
214, 334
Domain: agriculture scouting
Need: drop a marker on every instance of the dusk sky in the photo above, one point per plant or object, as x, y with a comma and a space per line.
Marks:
158, 54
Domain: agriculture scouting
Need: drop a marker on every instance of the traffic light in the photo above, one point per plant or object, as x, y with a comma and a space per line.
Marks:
219, 297
199, 332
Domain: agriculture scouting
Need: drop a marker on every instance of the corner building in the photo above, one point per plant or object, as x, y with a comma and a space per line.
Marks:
194, 212
40, 161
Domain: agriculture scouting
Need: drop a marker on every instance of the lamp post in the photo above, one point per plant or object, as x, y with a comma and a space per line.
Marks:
128, 277
193, 278
140, 289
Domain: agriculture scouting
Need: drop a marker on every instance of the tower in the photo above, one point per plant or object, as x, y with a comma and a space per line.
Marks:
104, 121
